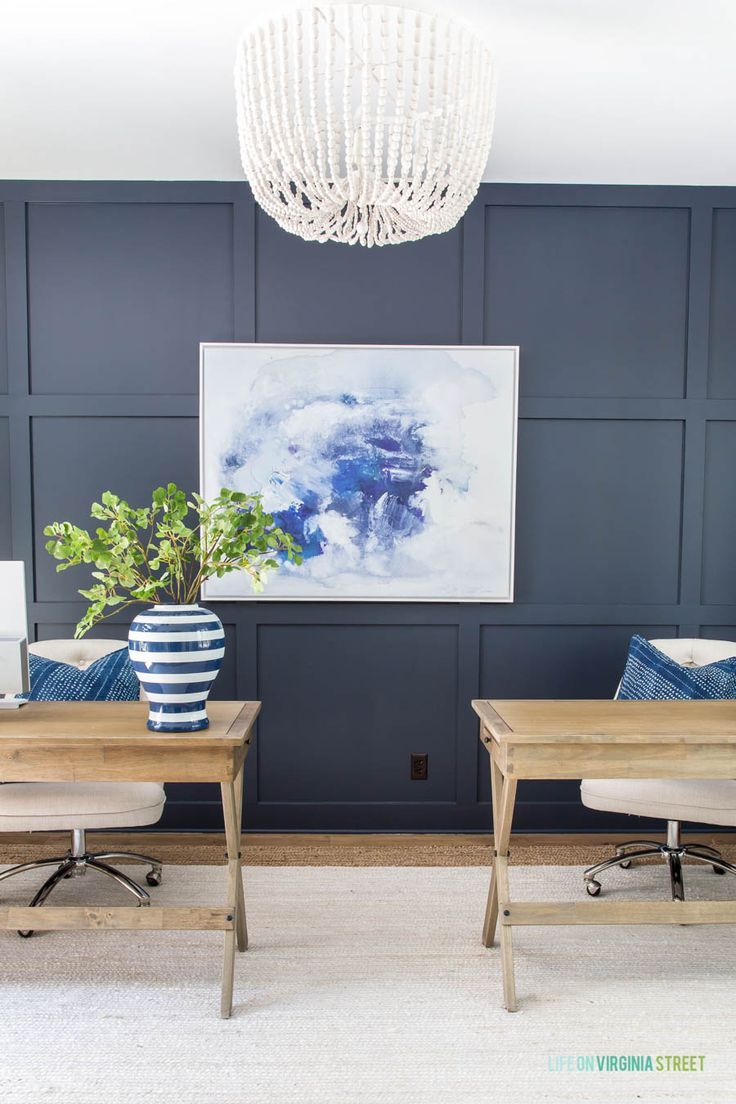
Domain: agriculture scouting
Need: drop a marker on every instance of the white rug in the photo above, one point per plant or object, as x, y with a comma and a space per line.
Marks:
366, 985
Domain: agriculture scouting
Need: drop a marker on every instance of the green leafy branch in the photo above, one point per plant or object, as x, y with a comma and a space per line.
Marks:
166, 551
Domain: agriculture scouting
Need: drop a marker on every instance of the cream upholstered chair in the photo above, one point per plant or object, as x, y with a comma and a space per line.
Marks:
707, 801
77, 806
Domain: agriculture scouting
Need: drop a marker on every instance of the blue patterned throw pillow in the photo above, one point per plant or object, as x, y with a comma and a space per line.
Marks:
111, 678
650, 673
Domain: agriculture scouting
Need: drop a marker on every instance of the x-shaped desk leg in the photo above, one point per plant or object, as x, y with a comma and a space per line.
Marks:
503, 795
232, 807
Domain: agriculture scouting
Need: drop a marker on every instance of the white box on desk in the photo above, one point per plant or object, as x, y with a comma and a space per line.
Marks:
13, 670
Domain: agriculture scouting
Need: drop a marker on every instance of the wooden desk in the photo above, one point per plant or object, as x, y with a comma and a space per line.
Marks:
109, 742
596, 739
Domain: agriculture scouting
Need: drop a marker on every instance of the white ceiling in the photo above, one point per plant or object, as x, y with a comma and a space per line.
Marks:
593, 91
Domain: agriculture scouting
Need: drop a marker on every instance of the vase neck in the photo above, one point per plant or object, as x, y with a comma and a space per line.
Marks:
169, 608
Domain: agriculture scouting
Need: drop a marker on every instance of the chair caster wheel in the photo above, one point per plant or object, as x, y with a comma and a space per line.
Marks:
154, 877
625, 864
717, 870
593, 888
25, 934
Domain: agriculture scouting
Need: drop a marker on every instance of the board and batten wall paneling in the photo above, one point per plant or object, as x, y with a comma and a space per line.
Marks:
5, 530
719, 632
589, 528
376, 694
407, 296
3, 311
76, 459
611, 283
120, 294
719, 521
722, 364
621, 301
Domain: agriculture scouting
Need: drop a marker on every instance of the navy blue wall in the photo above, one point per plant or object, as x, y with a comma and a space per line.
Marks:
622, 300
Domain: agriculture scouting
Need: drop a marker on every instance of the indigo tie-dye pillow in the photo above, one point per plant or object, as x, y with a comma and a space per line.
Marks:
650, 674
111, 678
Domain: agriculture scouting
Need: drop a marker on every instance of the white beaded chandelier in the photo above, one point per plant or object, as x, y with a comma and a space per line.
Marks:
367, 124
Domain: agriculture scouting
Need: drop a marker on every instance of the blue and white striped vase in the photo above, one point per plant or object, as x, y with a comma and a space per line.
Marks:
176, 652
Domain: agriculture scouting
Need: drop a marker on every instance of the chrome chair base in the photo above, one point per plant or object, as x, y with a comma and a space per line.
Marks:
77, 861
673, 852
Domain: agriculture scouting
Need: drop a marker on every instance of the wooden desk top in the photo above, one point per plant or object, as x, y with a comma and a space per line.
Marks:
109, 742
122, 724
598, 722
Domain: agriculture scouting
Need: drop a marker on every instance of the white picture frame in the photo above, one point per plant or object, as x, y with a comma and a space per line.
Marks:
245, 442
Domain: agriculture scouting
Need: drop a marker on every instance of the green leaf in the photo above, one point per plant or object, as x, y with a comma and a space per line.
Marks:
145, 553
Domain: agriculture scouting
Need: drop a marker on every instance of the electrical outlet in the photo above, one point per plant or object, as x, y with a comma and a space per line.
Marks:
419, 767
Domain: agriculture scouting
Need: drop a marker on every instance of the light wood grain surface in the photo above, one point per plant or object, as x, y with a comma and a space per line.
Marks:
91, 723
78, 917
596, 739
625, 722
618, 912
109, 742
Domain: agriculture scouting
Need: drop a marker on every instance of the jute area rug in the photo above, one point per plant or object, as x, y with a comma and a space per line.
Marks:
324, 849
366, 985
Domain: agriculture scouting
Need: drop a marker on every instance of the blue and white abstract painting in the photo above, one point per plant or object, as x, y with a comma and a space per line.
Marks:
393, 467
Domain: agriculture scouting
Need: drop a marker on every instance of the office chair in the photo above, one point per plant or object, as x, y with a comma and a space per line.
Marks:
704, 800
78, 806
